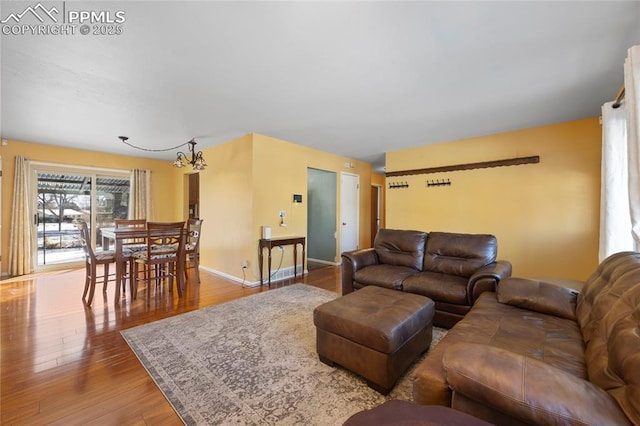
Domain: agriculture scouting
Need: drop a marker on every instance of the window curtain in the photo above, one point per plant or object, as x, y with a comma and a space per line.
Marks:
632, 101
140, 206
21, 237
620, 188
615, 220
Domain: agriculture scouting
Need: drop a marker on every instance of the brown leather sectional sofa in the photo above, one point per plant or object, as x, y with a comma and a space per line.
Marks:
545, 352
451, 269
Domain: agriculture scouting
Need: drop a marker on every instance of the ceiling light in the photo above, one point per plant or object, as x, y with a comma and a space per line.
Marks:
196, 160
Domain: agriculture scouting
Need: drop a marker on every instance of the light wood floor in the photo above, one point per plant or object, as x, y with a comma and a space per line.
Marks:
64, 363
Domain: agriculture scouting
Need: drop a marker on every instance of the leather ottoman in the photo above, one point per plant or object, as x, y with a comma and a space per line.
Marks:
374, 332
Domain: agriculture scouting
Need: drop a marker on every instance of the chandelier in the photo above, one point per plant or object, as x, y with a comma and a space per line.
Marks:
196, 160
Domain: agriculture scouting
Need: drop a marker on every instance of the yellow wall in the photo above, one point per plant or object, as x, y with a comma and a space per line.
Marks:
546, 215
280, 170
248, 181
226, 206
165, 186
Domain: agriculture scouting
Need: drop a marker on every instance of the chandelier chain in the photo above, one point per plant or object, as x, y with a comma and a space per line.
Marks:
154, 150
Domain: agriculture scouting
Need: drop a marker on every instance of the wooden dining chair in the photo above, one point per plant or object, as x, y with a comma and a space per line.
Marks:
92, 260
192, 247
162, 257
131, 246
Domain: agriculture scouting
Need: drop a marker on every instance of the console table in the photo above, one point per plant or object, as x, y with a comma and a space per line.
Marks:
269, 243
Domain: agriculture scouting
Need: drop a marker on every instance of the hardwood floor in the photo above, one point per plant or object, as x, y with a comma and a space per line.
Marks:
65, 363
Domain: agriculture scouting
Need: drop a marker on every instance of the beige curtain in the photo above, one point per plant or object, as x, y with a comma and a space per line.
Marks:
632, 103
21, 237
140, 205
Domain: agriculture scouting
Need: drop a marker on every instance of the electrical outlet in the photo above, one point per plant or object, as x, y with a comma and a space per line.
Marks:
282, 214
245, 264
280, 248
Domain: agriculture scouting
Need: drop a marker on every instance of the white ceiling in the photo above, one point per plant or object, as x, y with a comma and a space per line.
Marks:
353, 78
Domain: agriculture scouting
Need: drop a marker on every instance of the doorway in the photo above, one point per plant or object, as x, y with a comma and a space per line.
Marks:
376, 201
194, 195
349, 211
321, 216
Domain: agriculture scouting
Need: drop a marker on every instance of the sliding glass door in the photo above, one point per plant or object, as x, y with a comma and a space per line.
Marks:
66, 195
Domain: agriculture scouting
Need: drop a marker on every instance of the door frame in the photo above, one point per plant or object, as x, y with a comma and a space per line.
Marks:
36, 167
357, 207
376, 214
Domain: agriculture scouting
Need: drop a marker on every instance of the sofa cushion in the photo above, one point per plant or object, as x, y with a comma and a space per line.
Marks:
437, 286
459, 254
549, 296
528, 389
388, 276
603, 288
553, 340
613, 353
400, 247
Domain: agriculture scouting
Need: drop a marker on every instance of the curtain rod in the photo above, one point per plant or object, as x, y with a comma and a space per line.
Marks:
619, 98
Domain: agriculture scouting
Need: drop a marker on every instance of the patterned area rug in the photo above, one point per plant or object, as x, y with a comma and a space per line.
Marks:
252, 361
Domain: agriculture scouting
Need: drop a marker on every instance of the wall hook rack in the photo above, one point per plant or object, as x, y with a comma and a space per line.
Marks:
439, 182
396, 185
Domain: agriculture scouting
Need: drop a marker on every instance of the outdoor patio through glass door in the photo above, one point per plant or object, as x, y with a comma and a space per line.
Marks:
64, 197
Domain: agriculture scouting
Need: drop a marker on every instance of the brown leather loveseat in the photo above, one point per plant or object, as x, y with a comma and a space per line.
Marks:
544, 352
451, 269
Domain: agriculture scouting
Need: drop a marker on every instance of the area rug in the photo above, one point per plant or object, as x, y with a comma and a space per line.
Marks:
252, 361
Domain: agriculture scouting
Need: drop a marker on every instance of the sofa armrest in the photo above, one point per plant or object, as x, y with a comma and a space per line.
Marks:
487, 278
351, 262
525, 388
556, 297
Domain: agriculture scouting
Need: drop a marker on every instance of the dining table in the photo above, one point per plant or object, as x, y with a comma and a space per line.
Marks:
120, 236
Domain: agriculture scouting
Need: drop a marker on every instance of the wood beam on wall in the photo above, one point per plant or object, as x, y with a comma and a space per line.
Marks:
468, 166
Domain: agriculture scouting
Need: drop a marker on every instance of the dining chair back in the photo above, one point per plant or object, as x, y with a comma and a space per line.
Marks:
164, 225
131, 246
134, 243
92, 260
163, 257
131, 223
192, 247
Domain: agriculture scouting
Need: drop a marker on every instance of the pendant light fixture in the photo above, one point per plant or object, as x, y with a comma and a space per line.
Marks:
195, 159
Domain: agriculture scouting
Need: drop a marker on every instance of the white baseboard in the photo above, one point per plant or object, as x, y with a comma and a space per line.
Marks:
279, 275
324, 262
231, 277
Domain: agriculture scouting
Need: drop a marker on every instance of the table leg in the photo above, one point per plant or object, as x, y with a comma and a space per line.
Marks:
302, 259
260, 261
119, 271
269, 265
180, 272
295, 260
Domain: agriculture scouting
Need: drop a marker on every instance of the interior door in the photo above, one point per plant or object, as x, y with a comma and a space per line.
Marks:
349, 211
322, 194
